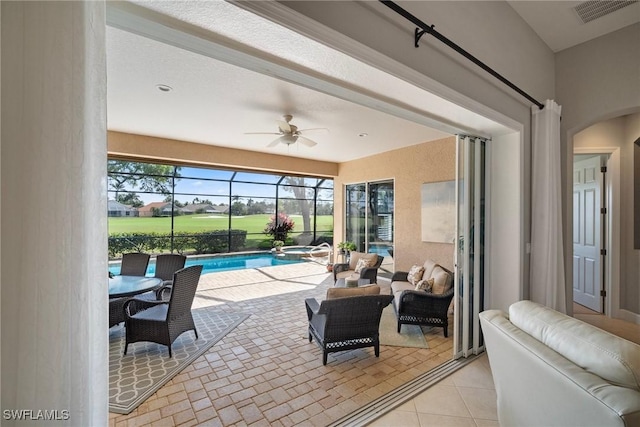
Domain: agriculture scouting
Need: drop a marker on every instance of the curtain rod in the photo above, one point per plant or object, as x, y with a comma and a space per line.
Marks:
429, 29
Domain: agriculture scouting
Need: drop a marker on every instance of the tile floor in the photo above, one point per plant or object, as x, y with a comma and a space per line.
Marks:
266, 373
465, 398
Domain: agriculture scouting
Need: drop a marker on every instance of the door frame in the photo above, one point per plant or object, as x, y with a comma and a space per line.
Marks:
612, 223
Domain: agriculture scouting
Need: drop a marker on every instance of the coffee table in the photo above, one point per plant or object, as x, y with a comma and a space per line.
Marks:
342, 283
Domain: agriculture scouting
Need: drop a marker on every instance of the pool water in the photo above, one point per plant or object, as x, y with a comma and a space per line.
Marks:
217, 263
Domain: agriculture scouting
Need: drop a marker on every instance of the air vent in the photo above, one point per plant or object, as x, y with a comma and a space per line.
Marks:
590, 10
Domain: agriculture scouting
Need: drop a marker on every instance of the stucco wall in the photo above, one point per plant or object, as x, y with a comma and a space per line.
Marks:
595, 81
133, 146
409, 167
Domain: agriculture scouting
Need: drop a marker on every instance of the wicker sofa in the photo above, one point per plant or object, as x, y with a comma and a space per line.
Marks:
423, 307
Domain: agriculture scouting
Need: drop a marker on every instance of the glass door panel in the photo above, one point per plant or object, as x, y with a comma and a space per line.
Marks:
470, 223
380, 222
356, 215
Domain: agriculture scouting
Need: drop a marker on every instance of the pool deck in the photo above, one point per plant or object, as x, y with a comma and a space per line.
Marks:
266, 372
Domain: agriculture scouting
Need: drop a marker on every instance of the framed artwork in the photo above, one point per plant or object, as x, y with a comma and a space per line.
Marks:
439, 212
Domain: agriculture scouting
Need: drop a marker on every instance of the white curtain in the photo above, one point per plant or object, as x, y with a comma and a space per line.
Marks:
547, 256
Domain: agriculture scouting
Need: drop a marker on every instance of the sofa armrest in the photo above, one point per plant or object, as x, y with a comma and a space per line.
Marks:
338, 268
400, 276
370, 273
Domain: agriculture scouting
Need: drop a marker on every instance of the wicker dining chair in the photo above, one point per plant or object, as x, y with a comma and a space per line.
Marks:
166, 266
163, 321
133, 264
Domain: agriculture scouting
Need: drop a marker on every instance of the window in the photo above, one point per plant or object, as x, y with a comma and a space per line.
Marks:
163, 208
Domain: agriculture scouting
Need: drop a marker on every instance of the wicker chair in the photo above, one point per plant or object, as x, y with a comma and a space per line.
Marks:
133, 264
346, 323
342, 270
163, 321
166, 266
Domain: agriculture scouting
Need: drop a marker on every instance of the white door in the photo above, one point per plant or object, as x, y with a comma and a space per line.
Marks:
587, 276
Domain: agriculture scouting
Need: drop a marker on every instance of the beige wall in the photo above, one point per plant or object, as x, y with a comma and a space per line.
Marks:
410, 167
596, 81
133, 146
621, 132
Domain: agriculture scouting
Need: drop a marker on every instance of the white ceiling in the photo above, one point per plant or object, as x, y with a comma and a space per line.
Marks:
227, 81
558, 24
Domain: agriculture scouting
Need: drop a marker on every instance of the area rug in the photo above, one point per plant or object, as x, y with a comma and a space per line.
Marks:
410, 336
147, 366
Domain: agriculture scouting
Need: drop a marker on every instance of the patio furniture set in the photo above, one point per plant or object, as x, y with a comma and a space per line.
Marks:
156, 309
349, 317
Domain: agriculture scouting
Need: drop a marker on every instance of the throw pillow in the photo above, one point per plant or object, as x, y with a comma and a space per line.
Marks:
425, 285
415, 274
362, 264
442, 281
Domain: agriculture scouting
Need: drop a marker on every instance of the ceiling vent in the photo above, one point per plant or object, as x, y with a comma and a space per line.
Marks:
591, 10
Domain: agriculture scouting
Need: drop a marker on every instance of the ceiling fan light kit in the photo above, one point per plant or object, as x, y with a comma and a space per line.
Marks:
289, 133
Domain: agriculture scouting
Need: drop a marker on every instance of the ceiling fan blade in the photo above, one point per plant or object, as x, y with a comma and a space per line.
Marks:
312, 130
306, 141
262, 133
274, 142
284, 126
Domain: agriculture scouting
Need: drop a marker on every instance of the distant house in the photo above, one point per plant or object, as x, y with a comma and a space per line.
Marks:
164, 208
200, 208
117, 209
221, 209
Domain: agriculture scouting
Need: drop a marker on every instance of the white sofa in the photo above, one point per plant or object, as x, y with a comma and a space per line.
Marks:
550, 369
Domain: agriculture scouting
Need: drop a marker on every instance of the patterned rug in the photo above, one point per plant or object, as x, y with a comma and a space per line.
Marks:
147, 366
411, 335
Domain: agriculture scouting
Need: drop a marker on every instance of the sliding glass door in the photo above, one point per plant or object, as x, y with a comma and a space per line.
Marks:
471, 193
369, 218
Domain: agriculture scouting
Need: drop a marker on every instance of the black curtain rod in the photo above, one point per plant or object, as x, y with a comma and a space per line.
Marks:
430, 30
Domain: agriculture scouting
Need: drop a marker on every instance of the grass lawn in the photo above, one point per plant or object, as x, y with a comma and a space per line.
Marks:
205, 222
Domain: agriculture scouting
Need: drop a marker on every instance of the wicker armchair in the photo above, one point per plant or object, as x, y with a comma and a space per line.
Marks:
347, 269
346, 323
133, 264
163, 321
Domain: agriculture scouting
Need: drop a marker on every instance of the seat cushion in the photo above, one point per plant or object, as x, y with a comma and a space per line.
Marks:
345, 274
355, 256
353, 292
158, 312
610, 357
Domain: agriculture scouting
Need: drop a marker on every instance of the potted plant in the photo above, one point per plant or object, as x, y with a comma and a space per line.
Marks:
346, 247
278, 244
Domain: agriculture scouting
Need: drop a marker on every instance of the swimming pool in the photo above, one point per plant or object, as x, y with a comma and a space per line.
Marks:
226, 262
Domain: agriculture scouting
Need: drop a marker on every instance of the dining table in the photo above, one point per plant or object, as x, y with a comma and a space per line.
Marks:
128, 286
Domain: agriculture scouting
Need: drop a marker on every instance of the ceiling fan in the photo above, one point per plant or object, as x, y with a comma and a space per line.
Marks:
289, 133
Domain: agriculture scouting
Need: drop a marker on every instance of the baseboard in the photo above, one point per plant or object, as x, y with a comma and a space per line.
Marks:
629, 316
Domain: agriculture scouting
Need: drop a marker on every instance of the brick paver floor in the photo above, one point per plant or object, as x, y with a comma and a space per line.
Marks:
265, 372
